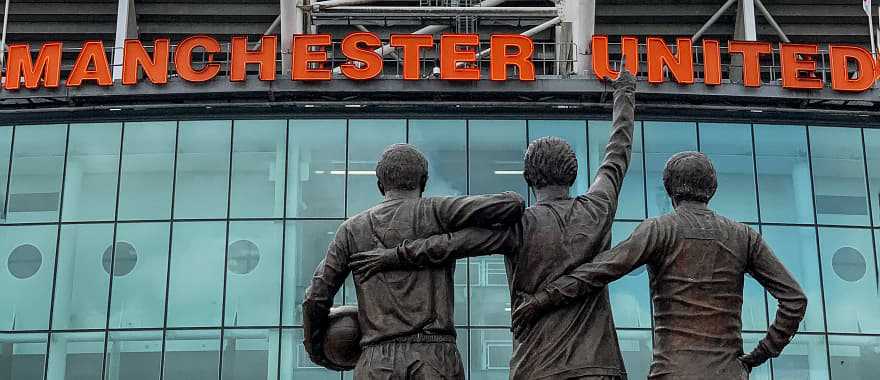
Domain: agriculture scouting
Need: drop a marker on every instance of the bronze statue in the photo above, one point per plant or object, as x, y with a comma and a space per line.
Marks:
405, 317
696, 261
554, 236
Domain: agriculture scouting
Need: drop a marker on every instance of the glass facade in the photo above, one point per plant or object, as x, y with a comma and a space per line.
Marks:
182, 249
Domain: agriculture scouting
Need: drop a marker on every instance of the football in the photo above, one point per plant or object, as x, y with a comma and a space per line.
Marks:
342, 342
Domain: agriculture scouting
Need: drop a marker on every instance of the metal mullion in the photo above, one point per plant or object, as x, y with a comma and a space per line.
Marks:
168, 260
346, 188
112, 254
870, 210
57, 250
645, 197
760, 226
226, 248
283, 246
467, 190
818, 251
9, 174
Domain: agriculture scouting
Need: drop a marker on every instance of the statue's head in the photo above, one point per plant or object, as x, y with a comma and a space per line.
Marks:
690, 176
550, 161
402, 167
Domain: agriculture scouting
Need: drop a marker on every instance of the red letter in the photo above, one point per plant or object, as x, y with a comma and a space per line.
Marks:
751, 52
183, 59
368, 63
303, 57
134, 55
521, 58
711, 62
450, 56
793, 66
412, 45
681, 64
92, 53
865, 66
601, 57
241, 56
48, 66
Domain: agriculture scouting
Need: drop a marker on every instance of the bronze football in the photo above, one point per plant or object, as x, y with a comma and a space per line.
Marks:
342, 342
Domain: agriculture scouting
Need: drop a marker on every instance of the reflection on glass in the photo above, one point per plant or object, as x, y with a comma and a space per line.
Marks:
253, 274
805, 358
637, 349
258, 169
28, 255
443, 143
872, 151
367, 139
316, 168
796, 248
729, 146
306, 244
138, 299
662, 140
133, 355
572, 131
196, 281
23, 356
202, 169
81, 284
762, 372
854, 357
37, 168
250, 354
295, 362
851, 299
630, 298
489, 294
74, 356
92, 171
496, 149
5, 146
783, 174
191, 354
632, 194
490, 354
147, 170
839, 176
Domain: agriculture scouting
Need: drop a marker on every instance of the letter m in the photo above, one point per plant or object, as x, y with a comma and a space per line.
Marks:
47, 67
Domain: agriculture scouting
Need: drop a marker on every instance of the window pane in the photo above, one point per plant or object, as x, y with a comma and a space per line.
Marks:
196, 284
762, 372
632, 195
258, 169
28, 254
253, 273
872, 149
202, 169
367, 140
754, 309
306, 244
81, 284
839, 176
92, 170
729, 146
496, 156
139, 275
854, 357
851, 299
37, 167
147, 170
295, 362
5, 146
637, 349
316, 168
630, 297
805, 358
662, 140
191, 355
490, 354
489, 294
783, 174
443, 143
796, 248
75, 356
575, 133
134, 355
250, 354
23, 356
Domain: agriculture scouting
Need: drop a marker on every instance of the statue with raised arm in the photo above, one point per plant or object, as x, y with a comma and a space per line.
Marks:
405, 318
554, 236
696, 261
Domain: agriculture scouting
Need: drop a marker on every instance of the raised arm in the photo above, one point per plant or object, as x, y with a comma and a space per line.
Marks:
455, 213
328, 278
766, 268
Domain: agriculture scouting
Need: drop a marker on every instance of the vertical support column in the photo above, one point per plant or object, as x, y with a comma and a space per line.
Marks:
292, 20
745, 31
581, 14
126, 28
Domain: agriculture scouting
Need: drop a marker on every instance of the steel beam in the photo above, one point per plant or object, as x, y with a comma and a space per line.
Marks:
126, 28
581, 14
414, 11
771, 20
745, 21
292, 22
712, 20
